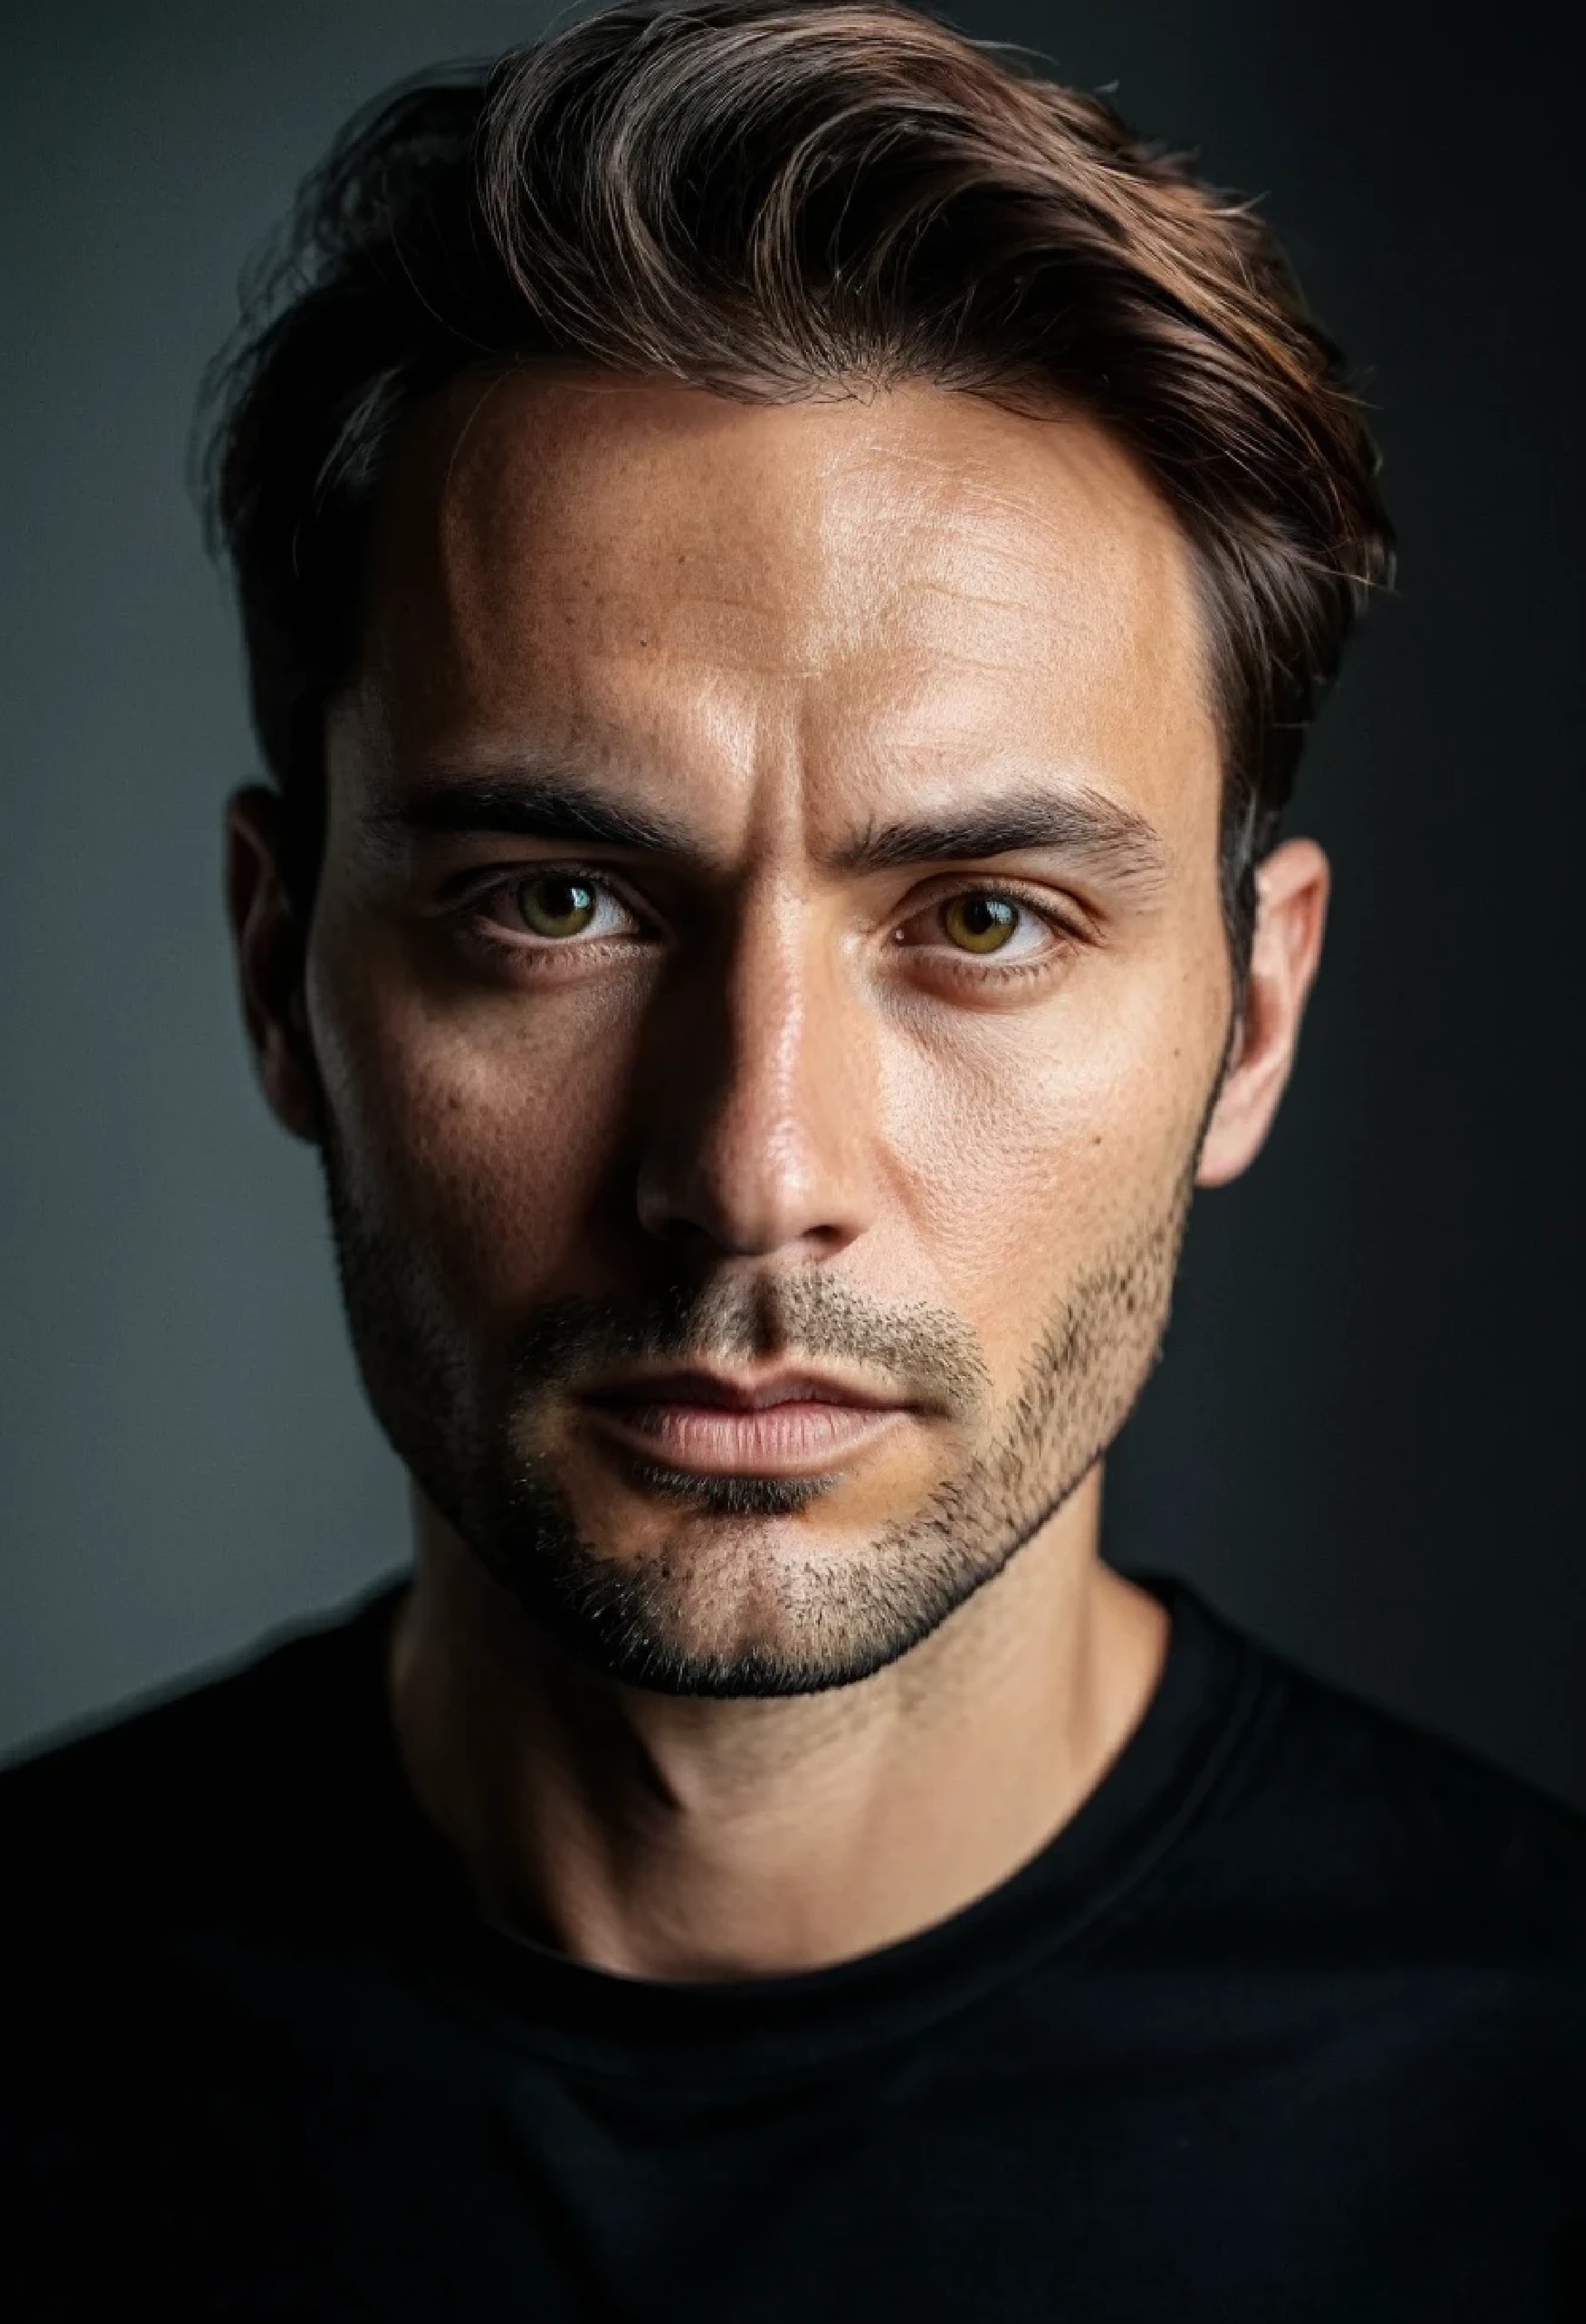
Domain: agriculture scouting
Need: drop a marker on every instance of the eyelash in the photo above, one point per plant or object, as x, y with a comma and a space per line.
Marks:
521, 946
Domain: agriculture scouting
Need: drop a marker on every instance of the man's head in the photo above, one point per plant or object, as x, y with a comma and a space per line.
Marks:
784, 568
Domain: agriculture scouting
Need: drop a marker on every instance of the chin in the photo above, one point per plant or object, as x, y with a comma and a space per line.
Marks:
754, 1604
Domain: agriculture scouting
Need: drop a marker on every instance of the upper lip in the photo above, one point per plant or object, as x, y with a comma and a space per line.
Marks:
690, 1385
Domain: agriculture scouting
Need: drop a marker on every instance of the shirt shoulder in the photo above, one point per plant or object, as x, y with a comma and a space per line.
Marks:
1339, 1812
192, 1794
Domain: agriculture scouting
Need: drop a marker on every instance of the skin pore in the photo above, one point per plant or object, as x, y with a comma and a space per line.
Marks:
768, 939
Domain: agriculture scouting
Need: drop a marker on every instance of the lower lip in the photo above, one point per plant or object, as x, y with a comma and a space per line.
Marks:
779, 1440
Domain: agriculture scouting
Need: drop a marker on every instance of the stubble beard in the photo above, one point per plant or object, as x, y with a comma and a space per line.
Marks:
739, 1608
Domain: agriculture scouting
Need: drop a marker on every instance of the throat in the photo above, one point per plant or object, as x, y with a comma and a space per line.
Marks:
680, 1839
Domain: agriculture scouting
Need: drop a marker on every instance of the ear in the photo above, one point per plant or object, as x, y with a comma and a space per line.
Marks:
1291, 892
270, 940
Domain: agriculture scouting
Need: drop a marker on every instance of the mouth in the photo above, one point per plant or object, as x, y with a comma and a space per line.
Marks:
773, 1424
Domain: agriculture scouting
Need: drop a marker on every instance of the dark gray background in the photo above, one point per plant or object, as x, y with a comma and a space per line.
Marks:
1363, 1442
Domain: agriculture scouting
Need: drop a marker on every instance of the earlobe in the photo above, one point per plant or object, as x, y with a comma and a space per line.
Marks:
1291, 888
271, 942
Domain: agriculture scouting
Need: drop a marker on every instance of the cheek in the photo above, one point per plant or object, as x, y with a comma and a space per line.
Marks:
1028, 1148
483, 1135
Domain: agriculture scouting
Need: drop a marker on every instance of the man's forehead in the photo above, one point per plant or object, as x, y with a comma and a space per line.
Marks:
592, 503
894, 587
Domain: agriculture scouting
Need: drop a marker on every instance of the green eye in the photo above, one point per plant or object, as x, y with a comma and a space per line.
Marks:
554, 905
977, 922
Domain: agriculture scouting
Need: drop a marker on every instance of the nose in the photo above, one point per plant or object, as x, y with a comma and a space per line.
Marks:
755, 1130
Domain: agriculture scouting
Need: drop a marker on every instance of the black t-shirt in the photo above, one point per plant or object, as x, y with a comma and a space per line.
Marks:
1287, 2023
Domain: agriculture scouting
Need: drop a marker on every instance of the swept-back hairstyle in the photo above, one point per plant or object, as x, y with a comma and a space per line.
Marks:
775, 199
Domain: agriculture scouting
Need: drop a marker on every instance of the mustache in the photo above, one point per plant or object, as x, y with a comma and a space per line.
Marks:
927, 1354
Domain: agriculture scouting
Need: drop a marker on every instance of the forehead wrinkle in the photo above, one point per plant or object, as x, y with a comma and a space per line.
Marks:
1067, 496
616, 597
952, 527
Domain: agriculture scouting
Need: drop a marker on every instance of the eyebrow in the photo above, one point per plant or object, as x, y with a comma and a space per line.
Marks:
531, 806
1075, 821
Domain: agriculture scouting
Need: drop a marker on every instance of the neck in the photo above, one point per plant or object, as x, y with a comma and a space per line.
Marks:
662, 1838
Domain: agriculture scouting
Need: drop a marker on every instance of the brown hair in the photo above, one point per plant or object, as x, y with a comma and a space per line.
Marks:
772, 198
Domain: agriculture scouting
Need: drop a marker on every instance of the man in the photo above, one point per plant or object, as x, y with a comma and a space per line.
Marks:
784, 567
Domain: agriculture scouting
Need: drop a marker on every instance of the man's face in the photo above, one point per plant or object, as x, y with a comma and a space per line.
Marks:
768, 945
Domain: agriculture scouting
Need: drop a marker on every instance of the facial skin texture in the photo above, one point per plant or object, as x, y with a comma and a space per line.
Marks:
753, 1085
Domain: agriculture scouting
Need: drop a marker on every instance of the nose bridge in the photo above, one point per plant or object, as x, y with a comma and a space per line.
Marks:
759, 1143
